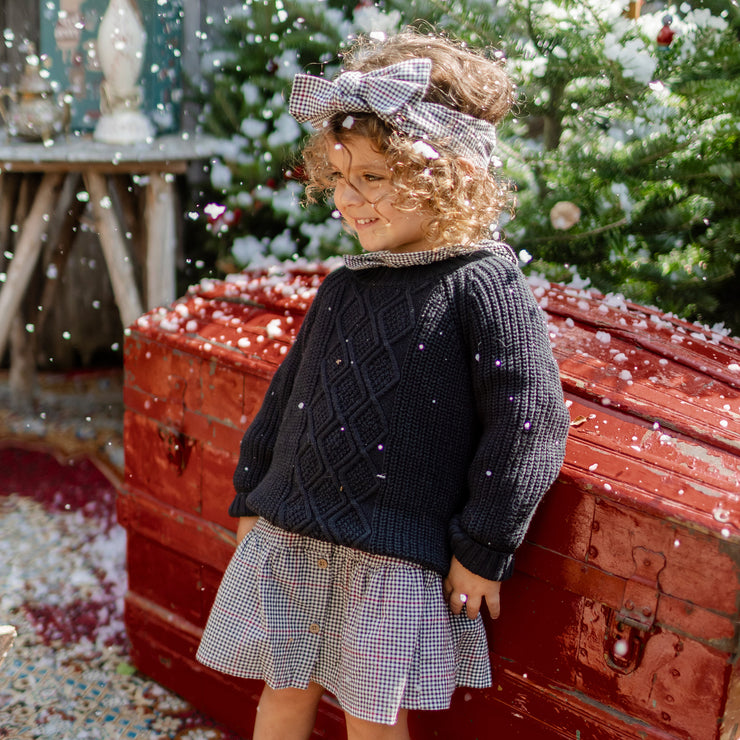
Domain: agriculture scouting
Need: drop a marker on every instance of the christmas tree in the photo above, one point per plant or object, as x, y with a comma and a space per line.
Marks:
257, 209
624, 148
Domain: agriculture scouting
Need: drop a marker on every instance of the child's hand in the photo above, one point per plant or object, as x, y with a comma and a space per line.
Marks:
463, 588
245, 525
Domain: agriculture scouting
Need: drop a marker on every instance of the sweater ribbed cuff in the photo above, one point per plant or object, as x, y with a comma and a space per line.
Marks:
239, 507
481, 560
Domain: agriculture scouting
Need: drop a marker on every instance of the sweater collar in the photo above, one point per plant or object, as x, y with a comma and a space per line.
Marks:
410, 259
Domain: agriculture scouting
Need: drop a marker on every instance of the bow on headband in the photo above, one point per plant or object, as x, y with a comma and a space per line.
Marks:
394, 94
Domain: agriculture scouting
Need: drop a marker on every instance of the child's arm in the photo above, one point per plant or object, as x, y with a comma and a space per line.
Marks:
255, 452
522, 416
463, 588
245, 527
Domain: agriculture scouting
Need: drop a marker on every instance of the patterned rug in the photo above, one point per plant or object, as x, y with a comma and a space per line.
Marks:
62, 581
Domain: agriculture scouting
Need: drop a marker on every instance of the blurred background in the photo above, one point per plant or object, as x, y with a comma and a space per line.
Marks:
623, 151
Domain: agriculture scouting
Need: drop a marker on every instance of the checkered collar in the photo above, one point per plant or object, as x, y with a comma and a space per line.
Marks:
411, 259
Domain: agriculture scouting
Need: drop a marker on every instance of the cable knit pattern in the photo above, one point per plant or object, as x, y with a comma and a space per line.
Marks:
418, 414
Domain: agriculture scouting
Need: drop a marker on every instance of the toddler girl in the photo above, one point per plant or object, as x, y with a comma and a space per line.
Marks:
406, 440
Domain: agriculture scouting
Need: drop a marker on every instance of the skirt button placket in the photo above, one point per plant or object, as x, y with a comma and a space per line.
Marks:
322, 563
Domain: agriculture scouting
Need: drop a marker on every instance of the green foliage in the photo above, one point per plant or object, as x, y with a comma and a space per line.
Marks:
257, 206
644, 140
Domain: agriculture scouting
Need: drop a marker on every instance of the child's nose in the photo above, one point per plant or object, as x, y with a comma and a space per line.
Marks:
348, 194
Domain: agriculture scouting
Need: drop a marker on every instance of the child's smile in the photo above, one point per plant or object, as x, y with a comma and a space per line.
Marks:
363, 194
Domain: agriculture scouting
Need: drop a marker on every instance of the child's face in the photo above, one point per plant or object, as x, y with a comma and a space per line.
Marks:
363, 194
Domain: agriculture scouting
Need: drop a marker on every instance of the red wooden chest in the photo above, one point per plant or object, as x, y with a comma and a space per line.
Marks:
622, 618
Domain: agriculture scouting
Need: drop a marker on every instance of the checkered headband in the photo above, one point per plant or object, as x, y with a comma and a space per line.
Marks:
395, 95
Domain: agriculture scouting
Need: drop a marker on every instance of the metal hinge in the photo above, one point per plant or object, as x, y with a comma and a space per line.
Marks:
629, 628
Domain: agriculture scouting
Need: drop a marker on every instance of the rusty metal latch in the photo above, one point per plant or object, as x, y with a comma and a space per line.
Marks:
178, 447
641, 590
629, 628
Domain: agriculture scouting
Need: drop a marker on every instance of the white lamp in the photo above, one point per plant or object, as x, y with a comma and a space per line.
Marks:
121, 44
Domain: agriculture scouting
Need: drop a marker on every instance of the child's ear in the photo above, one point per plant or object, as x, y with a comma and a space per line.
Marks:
468, 169
467, 166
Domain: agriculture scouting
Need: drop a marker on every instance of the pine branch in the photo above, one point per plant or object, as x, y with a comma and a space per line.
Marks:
565, 237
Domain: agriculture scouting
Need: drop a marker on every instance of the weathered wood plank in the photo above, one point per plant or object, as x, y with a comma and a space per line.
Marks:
27, 253
161, 240
120, 267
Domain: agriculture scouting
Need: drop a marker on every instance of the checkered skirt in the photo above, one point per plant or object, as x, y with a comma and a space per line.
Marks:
373, 630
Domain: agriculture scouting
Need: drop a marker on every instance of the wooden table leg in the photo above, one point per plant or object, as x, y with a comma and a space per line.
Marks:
116, 255
22, 376
28, 248
161, 240
59, 247
9, 185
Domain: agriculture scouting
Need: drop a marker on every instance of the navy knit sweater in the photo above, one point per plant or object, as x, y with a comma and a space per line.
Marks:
419, 414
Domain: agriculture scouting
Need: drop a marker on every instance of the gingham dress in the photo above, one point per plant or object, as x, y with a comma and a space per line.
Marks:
373, 630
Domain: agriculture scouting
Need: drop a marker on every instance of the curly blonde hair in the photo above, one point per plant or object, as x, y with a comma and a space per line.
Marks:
464, 201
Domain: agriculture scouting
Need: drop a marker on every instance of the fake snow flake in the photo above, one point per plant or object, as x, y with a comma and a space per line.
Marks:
734, 367
274, 329
427, 151
348, 122
621, 648
168, 325
721, 515
604, 337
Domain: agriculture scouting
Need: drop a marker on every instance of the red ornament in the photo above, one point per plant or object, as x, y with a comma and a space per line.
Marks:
221, 219
297, 173
666, 34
